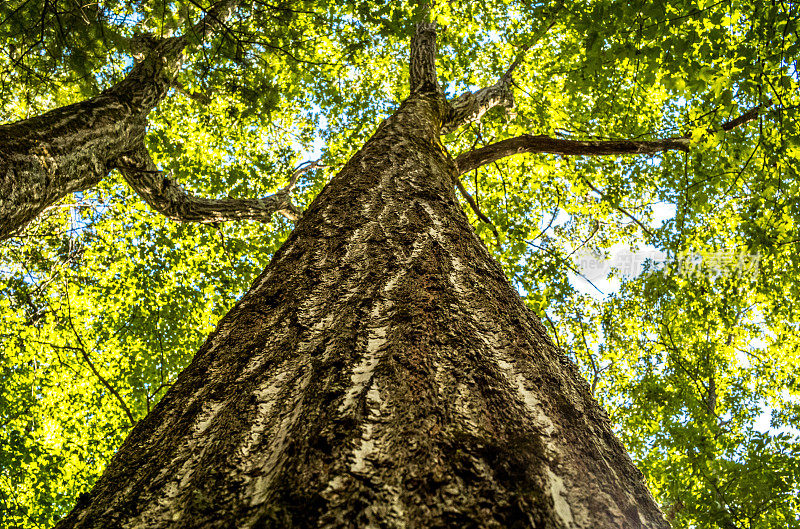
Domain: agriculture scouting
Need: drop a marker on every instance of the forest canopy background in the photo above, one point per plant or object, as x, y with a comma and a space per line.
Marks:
104, 301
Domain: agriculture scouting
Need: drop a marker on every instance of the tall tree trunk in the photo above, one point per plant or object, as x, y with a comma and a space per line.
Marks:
381, 372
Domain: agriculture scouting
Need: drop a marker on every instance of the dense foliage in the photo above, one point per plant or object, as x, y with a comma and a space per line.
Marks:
694, 352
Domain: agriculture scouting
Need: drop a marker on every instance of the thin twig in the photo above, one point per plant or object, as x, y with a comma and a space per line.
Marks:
618, 207
475, 207
562, 260
200, 97
536, 38
85, 354
555, 331
596, 371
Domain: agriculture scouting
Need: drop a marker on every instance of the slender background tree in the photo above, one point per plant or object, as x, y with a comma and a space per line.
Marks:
105, 301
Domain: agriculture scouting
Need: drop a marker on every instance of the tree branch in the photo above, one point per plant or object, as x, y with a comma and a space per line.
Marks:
475, 207
168, 198
213, 19
528, 143
85, 354
200, 97
160, 59
471, 106
536, 38
618, 208
750, 115
302, 169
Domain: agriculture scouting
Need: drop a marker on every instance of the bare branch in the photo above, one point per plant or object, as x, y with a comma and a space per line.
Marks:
528, 143
168, 198
555, 330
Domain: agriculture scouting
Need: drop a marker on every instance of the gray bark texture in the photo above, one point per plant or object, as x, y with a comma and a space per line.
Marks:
72, 148
68, 149
380, 373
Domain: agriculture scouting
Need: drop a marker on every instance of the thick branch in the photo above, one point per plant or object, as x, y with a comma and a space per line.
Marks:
213, 19
151, 78
471, 106
422, 67
750, 115
168, 198
71, 148
528, 143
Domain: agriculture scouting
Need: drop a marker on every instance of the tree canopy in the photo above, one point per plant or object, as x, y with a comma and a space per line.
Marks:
695, 353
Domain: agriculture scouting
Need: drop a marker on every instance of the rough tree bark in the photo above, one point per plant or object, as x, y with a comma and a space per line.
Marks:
381, 372
72, 148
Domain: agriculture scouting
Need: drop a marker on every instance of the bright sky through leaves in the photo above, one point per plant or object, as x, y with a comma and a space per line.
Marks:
103, 301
